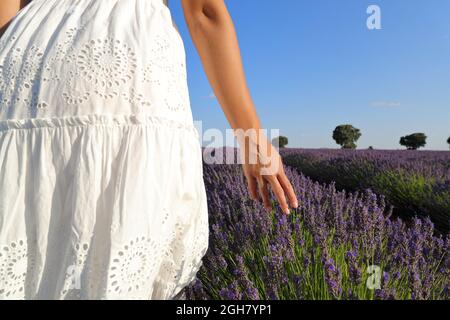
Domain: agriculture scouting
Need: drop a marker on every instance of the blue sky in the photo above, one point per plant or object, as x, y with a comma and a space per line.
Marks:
313, 64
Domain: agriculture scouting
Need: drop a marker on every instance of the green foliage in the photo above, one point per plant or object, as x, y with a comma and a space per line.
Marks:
314, 285
414, 193
346, 135
281, 141
414, 141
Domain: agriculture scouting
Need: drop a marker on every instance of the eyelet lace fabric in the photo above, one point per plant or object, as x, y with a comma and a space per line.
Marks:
101, 181
117, 56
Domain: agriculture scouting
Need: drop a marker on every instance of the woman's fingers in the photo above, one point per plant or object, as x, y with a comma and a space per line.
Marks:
280, 186
262, 184
258, 186
288, 189
252, 187
279, 193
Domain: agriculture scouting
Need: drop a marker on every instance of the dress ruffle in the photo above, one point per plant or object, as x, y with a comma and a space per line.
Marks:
100, 207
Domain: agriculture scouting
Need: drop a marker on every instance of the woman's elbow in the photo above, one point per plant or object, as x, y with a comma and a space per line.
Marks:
198, 11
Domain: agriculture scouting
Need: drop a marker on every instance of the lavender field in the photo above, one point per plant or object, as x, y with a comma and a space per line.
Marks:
413, 182
336, 245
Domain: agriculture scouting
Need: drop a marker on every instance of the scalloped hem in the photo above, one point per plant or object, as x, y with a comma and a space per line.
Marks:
179, 289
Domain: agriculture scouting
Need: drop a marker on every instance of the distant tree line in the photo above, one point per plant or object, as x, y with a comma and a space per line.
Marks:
347, 135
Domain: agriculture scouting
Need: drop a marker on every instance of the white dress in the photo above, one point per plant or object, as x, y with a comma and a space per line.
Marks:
101, 182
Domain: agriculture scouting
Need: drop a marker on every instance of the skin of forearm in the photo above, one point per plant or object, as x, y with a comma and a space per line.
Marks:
8, 9
214, 37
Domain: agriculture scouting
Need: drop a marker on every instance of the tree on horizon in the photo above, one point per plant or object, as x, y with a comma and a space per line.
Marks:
346, 136
414, 141
281, 141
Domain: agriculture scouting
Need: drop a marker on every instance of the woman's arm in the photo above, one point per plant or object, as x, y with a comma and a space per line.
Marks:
8, 9
214, 36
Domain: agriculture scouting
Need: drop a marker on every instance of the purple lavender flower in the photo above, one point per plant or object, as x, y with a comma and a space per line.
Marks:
354, 270
232, 292
332, 276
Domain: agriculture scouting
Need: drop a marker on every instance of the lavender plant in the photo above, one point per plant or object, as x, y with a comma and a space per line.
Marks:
322, 250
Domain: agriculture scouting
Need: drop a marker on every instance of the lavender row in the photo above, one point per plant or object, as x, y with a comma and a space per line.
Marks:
414, 182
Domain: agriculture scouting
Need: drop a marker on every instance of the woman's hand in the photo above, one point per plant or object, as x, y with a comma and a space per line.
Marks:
264, 169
